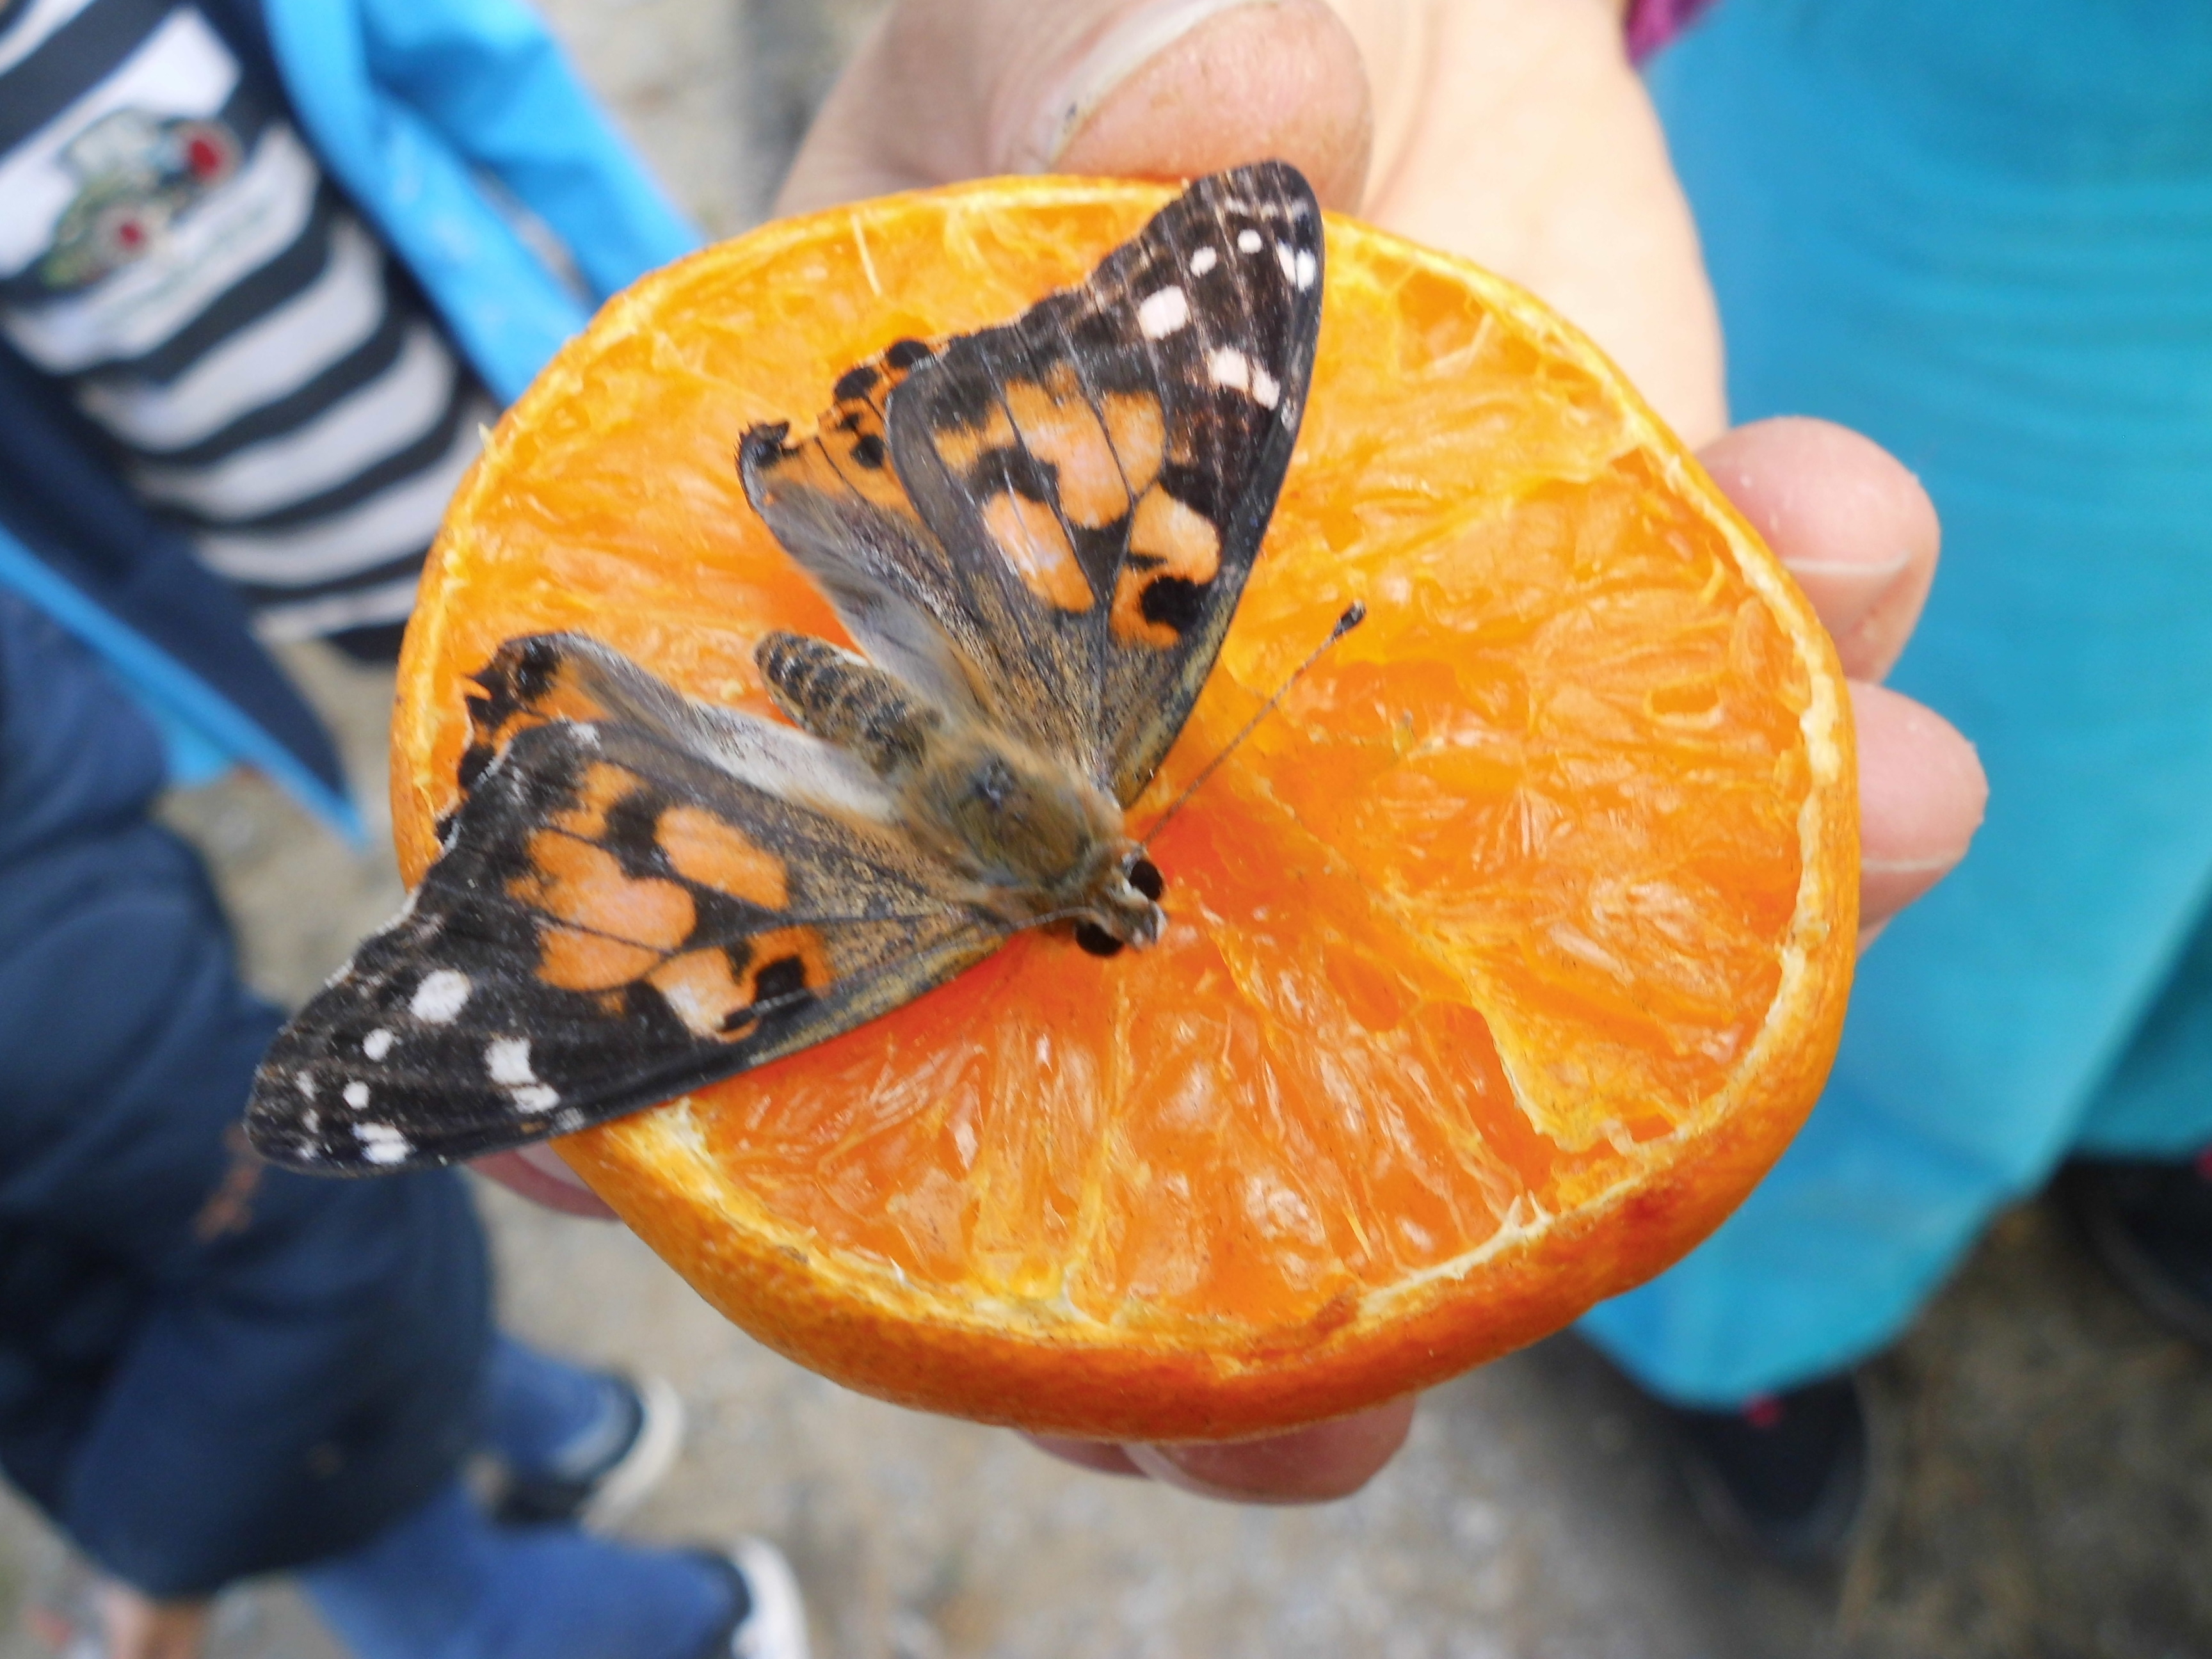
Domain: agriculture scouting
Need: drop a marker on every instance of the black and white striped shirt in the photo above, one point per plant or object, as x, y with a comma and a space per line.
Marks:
172, 254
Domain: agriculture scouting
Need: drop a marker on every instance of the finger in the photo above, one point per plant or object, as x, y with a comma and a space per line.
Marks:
538, 1174
1093, 1454
947, 89
1306, 1466
1280, 81
1921, 798
1848, 520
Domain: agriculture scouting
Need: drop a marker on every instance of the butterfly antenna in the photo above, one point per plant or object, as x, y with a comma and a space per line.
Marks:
1354, 614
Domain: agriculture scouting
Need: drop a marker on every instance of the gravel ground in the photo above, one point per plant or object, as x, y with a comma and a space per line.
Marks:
2045, 1453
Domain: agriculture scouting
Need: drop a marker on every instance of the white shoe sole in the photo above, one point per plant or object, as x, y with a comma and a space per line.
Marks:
776, 1628
643, 1467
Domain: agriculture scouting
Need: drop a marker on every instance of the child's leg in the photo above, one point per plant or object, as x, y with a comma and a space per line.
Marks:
575, 1445
447, 1585
544, 1416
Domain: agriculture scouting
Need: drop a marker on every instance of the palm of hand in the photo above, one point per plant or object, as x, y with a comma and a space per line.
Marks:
1514, 132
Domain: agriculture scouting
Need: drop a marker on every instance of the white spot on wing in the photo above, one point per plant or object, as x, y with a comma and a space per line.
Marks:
1307, 270
382, 1143
1203, 261
1248, 241
1226, 365
1162, 313
378, 1043
306, 1081
356, 1095
440, 996
1267, 390
507, 1061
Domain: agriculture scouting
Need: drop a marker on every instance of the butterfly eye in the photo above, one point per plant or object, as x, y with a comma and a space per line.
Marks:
1145, 876
1097, 941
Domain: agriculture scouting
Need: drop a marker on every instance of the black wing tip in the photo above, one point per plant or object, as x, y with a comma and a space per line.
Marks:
277, 1136
766, 442
1274, 180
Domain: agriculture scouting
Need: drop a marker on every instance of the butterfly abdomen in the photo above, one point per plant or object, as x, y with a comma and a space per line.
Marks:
847, 700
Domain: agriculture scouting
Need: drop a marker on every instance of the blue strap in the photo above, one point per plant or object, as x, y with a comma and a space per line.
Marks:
401, 96
204, 727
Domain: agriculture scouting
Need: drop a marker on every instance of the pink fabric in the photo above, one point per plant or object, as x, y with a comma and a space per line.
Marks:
1653, 23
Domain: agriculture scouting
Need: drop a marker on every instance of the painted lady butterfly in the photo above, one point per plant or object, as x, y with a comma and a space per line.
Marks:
1037, 534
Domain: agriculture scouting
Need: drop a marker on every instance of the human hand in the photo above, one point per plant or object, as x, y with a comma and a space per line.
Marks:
1512, 131
139, 1628
1860, 535
538, 1174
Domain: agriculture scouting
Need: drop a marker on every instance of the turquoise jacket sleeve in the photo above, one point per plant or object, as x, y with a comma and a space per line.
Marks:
412, 104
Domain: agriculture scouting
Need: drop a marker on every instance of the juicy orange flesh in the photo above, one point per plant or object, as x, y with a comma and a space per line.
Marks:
1492, 902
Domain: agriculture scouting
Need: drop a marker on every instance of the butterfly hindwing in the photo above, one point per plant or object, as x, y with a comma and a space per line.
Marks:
838, 507
1078, 496
616, 917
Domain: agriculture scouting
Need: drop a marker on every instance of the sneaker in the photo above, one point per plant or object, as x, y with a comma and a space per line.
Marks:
641, 1449
2150, 1223
769, 1621
61, 1617
1787, 1474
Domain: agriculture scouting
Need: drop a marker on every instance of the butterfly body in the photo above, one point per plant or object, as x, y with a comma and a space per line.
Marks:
1039, 840
1035, 535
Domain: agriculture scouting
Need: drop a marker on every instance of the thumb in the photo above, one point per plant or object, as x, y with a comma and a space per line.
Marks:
947, 89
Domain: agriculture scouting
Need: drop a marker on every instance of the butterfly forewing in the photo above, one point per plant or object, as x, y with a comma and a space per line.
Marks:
616, 918
1119, 448
1088, 484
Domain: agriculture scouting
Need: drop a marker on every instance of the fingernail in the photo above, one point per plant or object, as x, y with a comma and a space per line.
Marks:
1845, 591
1888, 885
1125, 48
1160, 1464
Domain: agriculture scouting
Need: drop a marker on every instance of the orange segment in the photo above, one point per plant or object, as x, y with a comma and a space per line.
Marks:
1502, 958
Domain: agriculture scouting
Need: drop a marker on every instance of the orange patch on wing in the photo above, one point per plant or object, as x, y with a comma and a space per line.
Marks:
961, 446
801, 945
716, 853
1183, 540
571, 960
701, 990
575, 881
1057, 426
603, 786
812, 466
1035, 544
1139, 429
1173, 540
712, 1000
564, 700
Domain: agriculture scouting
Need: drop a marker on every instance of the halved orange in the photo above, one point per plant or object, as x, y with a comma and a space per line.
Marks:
1503, 958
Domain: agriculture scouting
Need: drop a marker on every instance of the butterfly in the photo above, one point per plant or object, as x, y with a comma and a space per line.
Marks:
1036, 534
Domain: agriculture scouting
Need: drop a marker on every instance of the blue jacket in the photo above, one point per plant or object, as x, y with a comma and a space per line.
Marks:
208, 1367
412, 105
